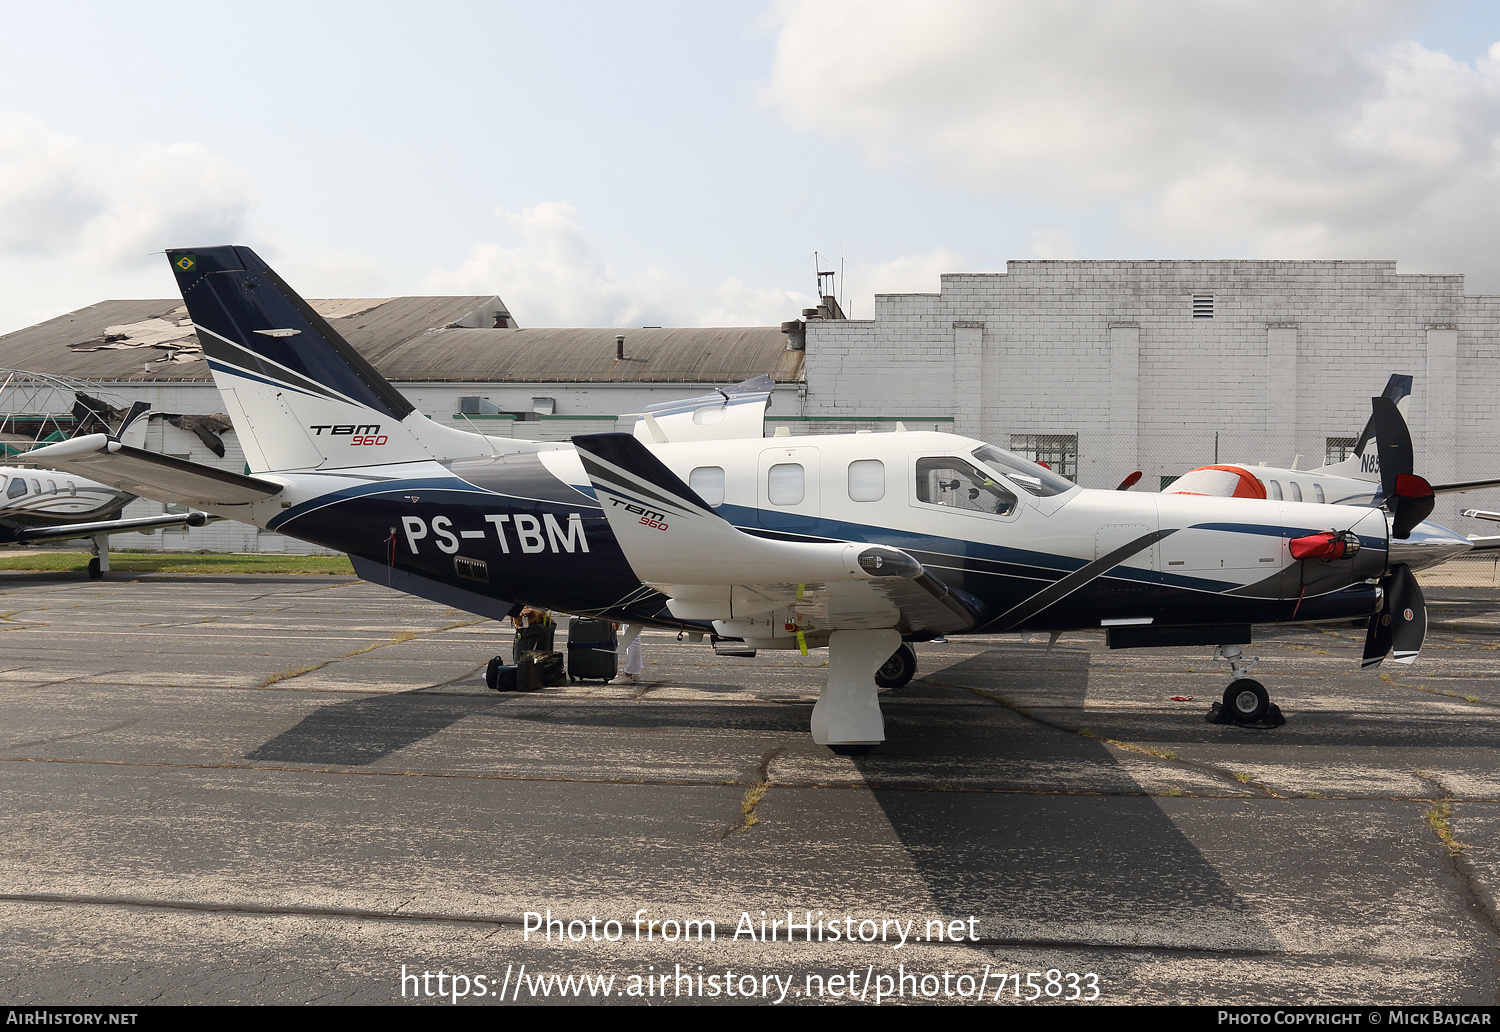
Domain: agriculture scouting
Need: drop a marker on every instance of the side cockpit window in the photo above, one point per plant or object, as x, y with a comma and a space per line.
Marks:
954, 484
17, 488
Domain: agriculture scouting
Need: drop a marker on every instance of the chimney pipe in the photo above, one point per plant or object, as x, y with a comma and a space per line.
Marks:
619, 346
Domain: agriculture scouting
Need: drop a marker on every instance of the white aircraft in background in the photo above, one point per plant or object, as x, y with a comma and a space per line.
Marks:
1355, 481
48, 506
860, 543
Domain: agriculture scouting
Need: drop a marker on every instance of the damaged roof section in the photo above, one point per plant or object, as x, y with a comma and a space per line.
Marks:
412, 340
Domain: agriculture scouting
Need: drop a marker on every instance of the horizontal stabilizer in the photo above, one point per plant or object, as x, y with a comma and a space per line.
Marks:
728, 413
159, 477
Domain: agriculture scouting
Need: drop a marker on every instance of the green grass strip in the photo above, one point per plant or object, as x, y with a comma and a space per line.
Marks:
180, 562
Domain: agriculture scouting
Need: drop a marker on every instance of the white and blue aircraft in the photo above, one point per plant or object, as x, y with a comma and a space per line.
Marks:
860, 543
1357, 480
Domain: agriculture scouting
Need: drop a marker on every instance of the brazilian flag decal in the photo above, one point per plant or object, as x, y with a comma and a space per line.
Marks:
187, 263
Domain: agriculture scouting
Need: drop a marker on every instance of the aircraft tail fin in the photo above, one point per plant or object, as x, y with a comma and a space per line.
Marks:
300, 396
1363, 462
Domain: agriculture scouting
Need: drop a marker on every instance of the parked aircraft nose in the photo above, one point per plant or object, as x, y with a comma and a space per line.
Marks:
1428, 545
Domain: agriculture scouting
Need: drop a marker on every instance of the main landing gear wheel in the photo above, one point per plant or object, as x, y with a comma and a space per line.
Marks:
96, 570
1246, 701
899, 669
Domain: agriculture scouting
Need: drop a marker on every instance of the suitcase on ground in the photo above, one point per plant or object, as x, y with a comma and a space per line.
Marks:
549, 667
500, 676
591, 649
528, 674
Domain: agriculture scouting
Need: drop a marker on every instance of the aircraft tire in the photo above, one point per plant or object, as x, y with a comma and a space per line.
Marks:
1246, 700
851, 750
96, 571
899, 669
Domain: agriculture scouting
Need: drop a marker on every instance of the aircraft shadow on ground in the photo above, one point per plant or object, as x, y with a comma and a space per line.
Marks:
1050, 861
361, 731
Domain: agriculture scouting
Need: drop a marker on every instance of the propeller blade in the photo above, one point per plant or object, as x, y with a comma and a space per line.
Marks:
1130, 481
1408, 612
1392, 442
1411, 504
1378, 637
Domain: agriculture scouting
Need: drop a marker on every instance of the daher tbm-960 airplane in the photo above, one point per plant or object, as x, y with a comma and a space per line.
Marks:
860, 543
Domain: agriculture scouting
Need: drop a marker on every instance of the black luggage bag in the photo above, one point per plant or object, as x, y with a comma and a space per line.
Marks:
548, 667
535, 638
591, 649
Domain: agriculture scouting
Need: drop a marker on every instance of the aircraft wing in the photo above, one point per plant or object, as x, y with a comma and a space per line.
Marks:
161, 478
767, 587
1468, 485
68, 531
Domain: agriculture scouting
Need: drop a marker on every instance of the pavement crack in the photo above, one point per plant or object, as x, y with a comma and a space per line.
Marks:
1471, 890
749, 804
285, 675
1388, 679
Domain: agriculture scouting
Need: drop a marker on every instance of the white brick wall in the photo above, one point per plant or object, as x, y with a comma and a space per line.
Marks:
1291, 357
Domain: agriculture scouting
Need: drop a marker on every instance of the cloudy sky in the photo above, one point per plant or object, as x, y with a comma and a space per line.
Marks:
635, 163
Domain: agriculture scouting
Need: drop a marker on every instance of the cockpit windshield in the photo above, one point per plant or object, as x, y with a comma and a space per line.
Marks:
1027, 475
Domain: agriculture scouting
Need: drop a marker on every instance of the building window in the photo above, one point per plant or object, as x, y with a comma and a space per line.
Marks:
1058, 452
1203, 306
1339, 449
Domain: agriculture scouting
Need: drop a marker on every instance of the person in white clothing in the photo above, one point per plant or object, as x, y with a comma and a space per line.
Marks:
633, 661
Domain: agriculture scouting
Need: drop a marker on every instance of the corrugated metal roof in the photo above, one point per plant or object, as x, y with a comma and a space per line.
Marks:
678, 355
410, 339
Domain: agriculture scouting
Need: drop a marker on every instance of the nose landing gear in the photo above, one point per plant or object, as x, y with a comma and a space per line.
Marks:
1246, 700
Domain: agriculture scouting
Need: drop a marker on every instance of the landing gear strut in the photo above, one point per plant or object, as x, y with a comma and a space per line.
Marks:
1246, 700
847, 715
99, 564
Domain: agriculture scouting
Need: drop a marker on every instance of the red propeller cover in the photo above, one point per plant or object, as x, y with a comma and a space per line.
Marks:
1327, 545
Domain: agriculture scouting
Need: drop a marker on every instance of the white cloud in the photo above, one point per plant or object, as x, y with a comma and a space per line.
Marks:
556, 277
1285, 129
109, 207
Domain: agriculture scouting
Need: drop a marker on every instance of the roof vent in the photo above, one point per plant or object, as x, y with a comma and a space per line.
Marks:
1203, 306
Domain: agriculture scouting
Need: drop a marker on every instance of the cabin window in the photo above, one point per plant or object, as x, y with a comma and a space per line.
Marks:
1296, 491
1318, 493
52, 487
785, 483
17, 488
708, 482
1275, 486
955, 484
866, 480
36, 487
